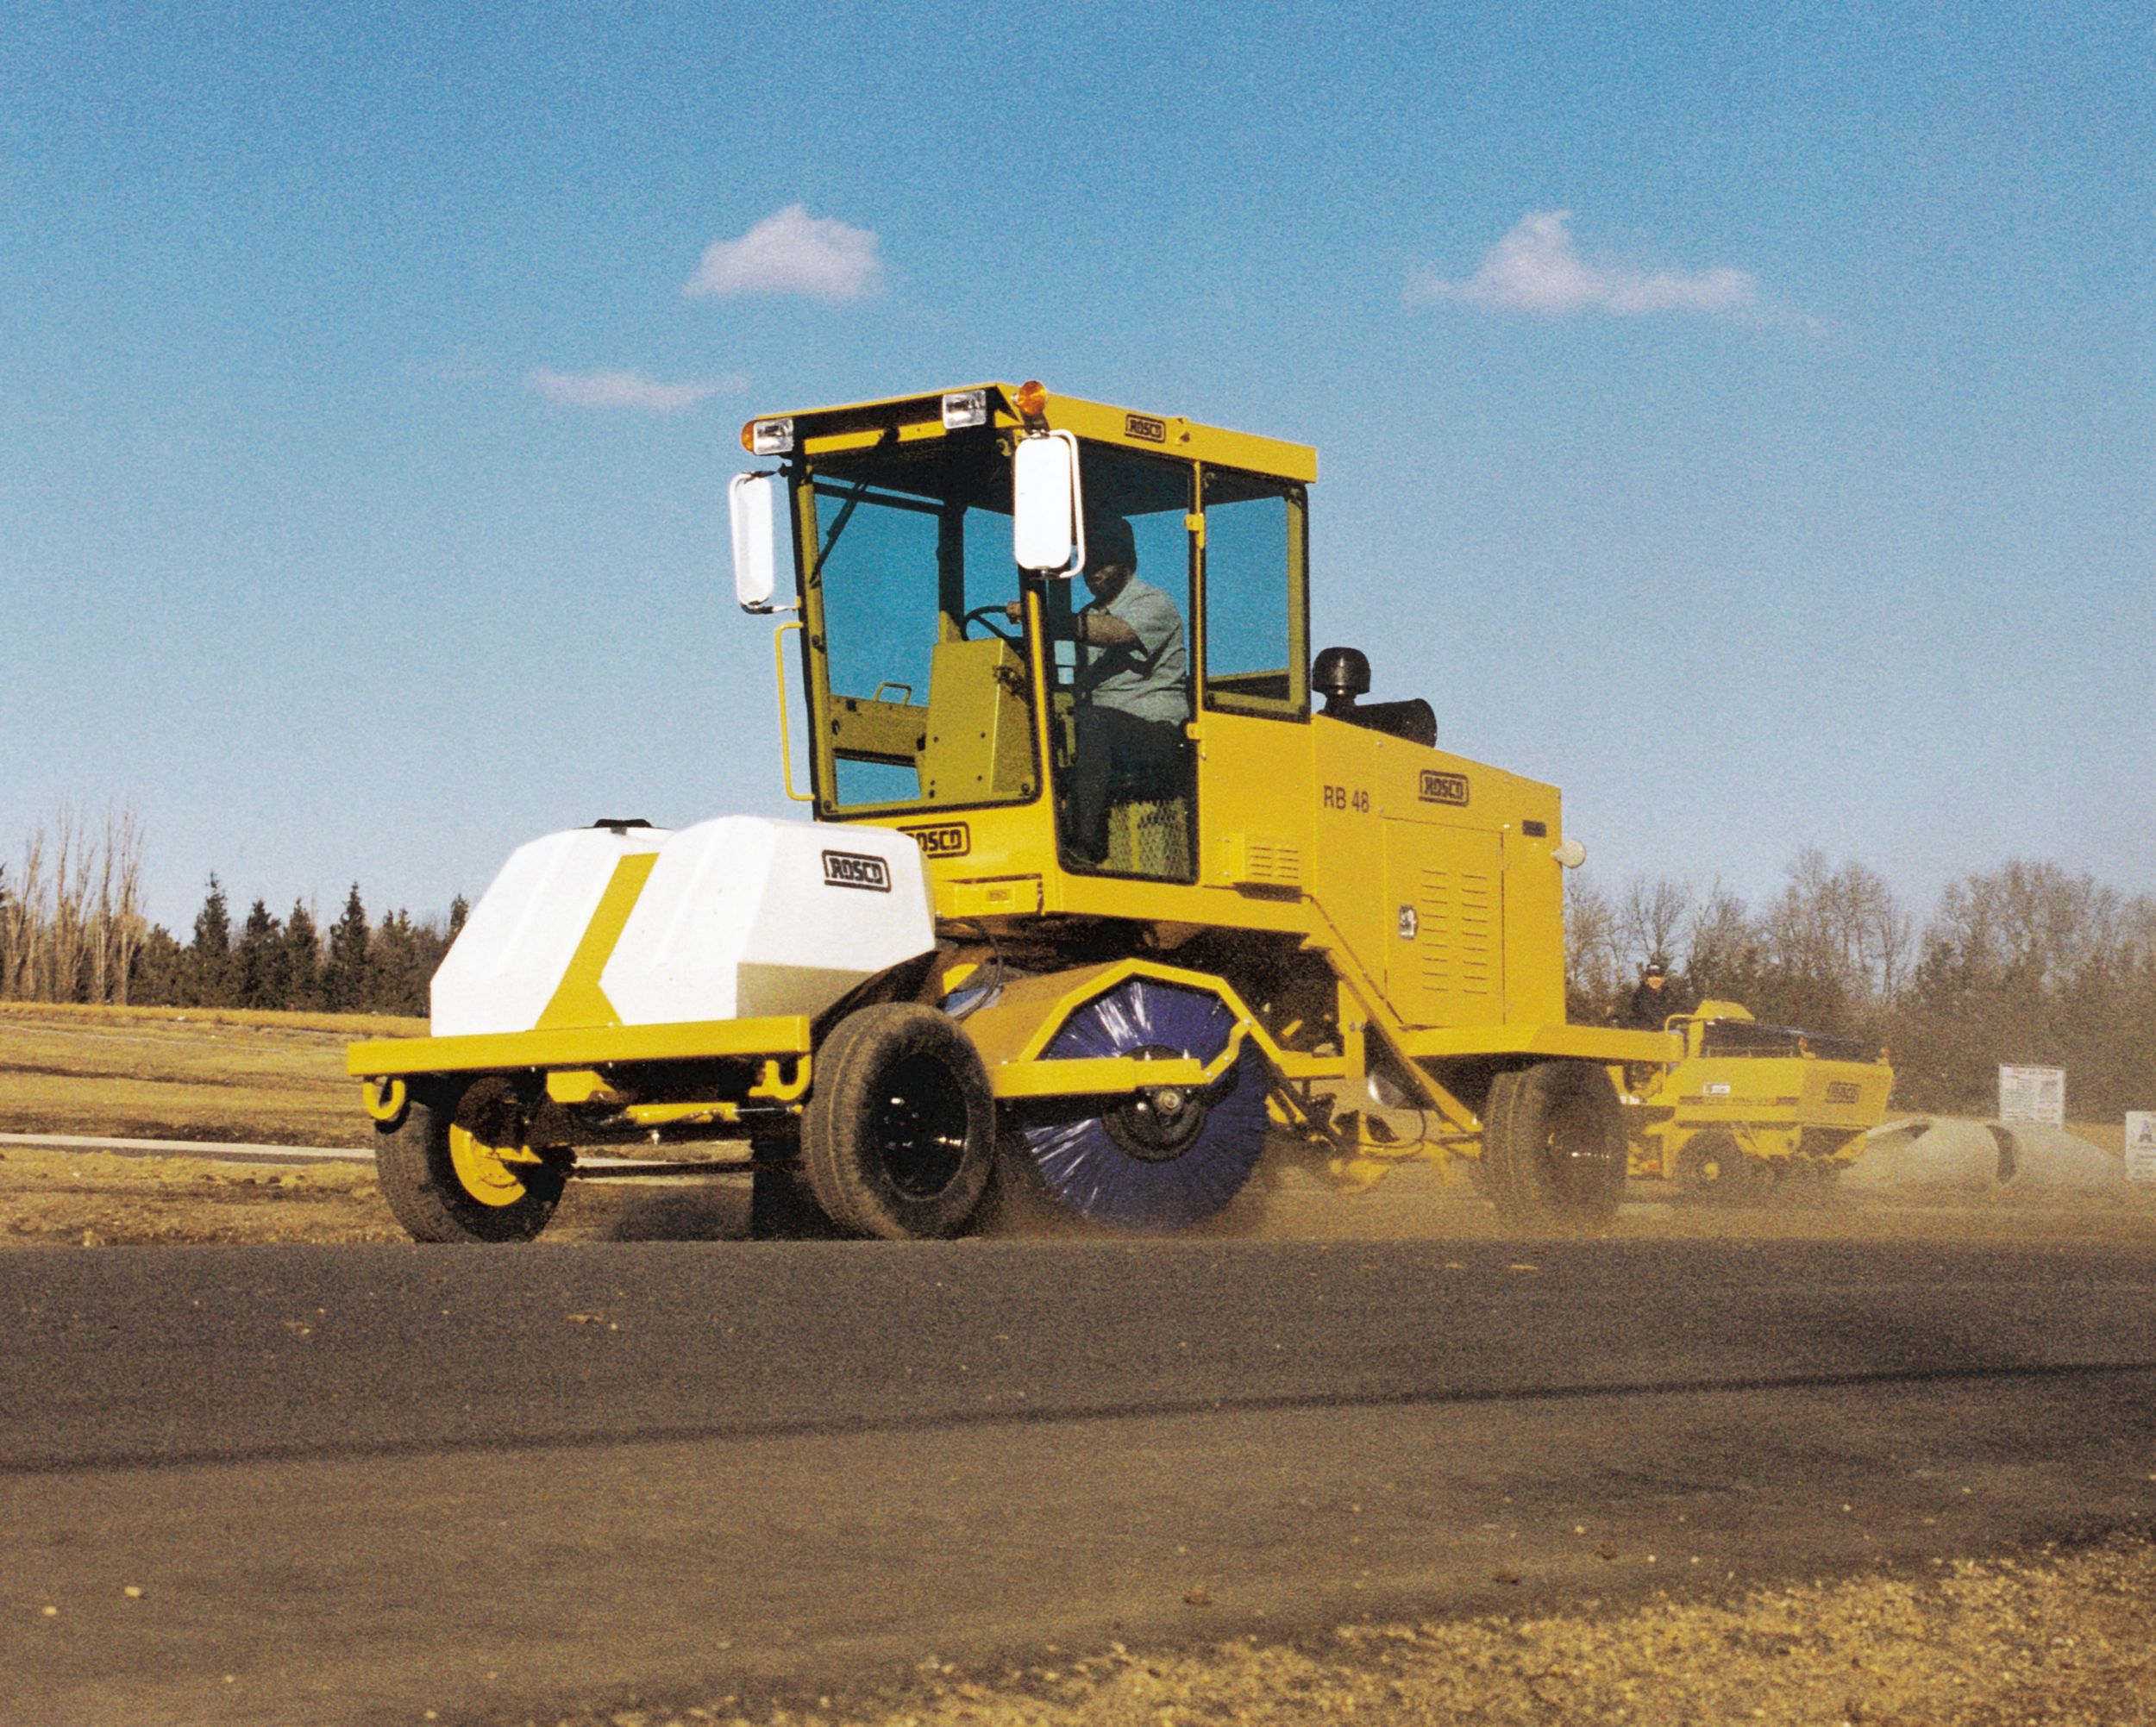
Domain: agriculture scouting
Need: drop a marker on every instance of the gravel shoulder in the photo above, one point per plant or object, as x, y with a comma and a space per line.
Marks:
2059, 1636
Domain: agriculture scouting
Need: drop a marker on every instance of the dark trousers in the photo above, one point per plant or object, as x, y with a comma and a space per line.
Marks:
1121, 759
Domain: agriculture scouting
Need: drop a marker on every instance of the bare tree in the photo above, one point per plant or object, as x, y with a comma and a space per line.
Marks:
71, 921
1654, 912
1888, 934
11, 916
22, 923
1724, 954
1592, 955
123, 843
1839, 934
72, 871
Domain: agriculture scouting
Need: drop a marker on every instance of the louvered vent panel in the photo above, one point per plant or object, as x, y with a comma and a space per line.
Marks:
1262, 860
1270, 860
1458, 939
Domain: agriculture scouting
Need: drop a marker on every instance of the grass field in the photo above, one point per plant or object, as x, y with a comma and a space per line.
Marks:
279, 1078
185, 1073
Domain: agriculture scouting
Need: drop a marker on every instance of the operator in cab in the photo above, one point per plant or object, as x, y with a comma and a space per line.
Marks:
1133, 690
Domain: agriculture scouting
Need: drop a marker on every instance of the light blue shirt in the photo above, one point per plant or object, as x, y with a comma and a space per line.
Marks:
1149, 681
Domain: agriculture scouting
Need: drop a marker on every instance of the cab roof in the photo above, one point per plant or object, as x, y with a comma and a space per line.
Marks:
906, 419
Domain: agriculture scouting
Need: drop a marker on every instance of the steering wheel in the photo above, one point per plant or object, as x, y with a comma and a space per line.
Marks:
994, 619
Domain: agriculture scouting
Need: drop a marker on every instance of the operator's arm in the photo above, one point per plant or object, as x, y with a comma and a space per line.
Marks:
1093, 628
1104, 629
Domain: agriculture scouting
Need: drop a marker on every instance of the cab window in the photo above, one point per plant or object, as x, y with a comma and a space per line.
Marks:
1256, 588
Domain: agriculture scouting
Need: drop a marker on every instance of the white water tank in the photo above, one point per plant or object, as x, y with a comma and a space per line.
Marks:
509, 959
740, 918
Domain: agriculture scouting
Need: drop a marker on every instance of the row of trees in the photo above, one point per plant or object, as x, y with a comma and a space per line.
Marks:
355, 966
2028, 964
72, 929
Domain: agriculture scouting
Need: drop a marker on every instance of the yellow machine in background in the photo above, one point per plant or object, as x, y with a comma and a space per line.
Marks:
1748, 1102
1287, 909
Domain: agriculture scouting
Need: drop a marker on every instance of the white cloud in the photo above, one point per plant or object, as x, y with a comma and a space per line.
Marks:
629, 390
792, 252
1535, 268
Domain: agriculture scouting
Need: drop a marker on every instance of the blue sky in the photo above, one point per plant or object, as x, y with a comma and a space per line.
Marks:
1747, 423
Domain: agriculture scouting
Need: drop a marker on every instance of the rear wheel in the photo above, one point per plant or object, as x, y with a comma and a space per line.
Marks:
444, 1174
1554, 1142
898, 1139
1712, 1165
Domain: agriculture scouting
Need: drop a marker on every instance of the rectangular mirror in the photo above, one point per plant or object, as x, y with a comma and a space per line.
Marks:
753, 501
1047, 515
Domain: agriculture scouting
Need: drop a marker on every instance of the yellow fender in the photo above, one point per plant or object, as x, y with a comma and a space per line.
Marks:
1013, 1029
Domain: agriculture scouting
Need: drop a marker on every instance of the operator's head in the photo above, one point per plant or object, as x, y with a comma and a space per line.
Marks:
1657, 974
1111, 556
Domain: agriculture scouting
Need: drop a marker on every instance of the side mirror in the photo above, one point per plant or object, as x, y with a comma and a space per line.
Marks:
1047, 534
752, 500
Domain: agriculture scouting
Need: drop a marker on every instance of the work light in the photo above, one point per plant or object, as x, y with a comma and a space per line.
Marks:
964, 408
769, 437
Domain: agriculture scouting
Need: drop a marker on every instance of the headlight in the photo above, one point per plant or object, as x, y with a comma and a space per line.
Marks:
964, 408
769, 437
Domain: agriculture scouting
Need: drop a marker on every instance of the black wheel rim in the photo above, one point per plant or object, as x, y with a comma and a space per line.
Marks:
919, 1131
1161, 1122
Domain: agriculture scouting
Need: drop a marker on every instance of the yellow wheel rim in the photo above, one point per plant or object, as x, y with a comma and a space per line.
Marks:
481, 1170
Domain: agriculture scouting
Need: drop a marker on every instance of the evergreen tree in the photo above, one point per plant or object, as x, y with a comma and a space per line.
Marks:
159, 976
344, 978
460, 909
303, 960
257, 969
209, 955
400, 962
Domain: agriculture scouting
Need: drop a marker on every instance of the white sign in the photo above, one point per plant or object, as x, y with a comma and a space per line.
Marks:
2141, 1145
2033, 1094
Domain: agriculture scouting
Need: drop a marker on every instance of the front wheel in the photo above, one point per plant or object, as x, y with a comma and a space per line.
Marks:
1712, 1165
898, 1139
1553, 1136
445, 1175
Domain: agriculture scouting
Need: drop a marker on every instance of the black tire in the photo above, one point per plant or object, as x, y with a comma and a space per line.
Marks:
898, 1138
1553, 1137
418, 1162
1711, 1165
781, 1206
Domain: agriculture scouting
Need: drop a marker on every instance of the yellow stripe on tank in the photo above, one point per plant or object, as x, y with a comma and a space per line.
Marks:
579, 1001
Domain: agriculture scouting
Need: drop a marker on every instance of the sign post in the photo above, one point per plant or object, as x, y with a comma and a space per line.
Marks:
2141, 1145
2033, 1094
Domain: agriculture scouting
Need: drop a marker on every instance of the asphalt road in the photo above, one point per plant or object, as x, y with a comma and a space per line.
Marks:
355, 1483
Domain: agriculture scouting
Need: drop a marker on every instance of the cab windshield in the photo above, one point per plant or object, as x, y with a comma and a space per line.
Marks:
924, 676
